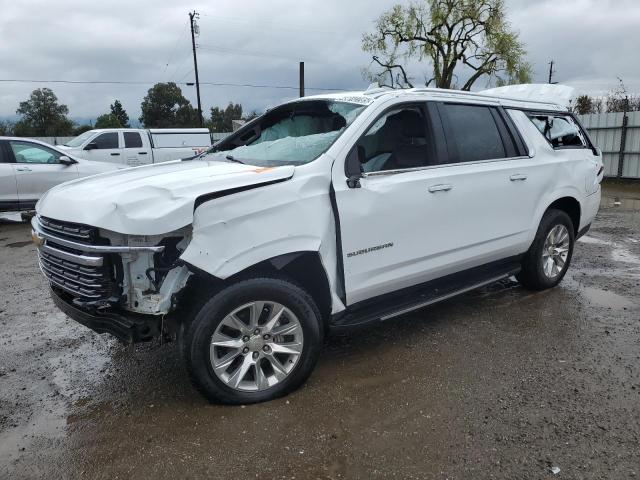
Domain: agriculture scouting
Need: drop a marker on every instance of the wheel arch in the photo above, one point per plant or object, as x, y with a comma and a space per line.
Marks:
304, 268
571, 206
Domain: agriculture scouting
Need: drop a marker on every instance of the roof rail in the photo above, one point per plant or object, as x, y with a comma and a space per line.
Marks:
481, 94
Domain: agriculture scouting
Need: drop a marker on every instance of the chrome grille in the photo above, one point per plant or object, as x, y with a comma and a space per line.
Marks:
70, 230
86, 275
89, 282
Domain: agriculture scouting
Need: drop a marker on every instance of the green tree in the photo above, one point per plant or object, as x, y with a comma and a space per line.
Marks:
118, 111
108, 120
222, 119
6, 128
462, 39
42, 115
164, 106
81, 129
253, 114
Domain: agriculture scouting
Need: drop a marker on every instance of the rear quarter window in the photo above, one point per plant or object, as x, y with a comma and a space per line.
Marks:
561, 131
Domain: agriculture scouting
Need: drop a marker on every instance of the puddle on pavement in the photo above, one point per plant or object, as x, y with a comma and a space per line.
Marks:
67, 382
624, 255
619, 252
18, 244
593, 240
606, 298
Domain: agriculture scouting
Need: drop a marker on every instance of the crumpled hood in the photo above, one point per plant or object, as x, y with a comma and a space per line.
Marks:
149, 200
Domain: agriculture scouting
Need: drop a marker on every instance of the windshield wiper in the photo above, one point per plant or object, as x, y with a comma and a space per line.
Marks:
231, 157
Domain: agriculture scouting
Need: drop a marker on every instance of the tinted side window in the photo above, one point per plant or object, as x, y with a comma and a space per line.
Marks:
398, 140
472, 133
25, 152
560, 130
132, 140
106, 140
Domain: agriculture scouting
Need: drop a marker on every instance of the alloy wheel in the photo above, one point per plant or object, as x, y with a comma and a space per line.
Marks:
256, 346
555, 251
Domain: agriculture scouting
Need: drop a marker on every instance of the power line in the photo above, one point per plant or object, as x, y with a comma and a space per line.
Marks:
126, 82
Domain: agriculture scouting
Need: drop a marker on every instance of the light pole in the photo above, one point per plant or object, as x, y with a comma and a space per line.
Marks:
192, 17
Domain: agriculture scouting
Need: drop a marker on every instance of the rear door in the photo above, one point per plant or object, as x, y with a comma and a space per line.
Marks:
134, 151
8, 186
37, 169
498, 186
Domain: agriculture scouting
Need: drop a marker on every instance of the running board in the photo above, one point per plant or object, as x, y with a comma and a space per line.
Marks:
394, 304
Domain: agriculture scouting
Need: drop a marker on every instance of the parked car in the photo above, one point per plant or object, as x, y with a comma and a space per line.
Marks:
28, 168
326, 212
134, 146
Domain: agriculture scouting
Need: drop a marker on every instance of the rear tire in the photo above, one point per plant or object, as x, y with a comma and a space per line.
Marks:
254, 341
549, 256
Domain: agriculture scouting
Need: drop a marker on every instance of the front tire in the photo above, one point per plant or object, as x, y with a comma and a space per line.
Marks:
549, 257
254, 341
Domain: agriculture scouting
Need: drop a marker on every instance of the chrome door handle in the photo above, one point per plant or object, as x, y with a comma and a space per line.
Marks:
23, 169
518, 177
442, 187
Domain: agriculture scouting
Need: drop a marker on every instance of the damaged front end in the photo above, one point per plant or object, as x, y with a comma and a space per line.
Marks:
125, 285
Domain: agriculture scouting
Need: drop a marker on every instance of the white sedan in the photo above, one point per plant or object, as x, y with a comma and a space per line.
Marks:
28, 168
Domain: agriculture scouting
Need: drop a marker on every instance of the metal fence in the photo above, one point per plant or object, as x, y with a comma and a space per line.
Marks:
618, 136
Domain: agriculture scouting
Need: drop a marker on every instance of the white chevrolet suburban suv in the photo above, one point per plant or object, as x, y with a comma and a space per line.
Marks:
326, 212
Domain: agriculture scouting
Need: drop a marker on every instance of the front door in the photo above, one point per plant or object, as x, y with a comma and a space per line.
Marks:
104, 148
37, 169
423, 210
8, 187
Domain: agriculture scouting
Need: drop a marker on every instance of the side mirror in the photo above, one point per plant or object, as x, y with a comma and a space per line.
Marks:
597, 151
91, 146
64, 160
353, 166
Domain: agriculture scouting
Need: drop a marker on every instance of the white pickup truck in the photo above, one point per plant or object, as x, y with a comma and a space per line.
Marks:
134, 147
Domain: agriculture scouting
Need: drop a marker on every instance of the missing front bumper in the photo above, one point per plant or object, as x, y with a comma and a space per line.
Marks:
126, 328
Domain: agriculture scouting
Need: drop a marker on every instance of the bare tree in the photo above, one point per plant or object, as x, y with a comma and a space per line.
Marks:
456, 36
619, 100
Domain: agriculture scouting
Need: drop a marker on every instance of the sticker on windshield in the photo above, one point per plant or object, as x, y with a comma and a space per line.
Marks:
355, 99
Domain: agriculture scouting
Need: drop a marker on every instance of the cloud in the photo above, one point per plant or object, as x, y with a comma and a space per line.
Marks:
261, 43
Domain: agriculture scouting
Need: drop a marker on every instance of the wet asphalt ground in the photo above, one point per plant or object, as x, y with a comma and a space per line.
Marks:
499, 383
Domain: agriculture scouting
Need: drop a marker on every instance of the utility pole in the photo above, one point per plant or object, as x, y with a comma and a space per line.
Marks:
301, 79
192, 17
551, 72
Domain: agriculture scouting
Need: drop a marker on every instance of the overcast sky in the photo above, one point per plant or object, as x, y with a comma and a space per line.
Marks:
260, 43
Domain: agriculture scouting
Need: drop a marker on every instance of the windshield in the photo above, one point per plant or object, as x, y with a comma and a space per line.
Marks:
293, 134
80, 139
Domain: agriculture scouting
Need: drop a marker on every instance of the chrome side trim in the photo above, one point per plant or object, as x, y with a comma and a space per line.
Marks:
80, 259
380, 173
445, 297
37, 232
